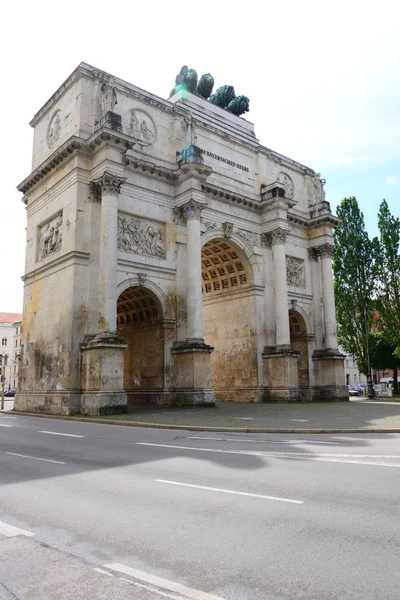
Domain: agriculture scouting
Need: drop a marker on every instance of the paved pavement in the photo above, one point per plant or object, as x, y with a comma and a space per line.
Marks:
356, 414
195, 516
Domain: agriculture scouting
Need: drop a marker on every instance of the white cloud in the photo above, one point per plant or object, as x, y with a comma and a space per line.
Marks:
392, 180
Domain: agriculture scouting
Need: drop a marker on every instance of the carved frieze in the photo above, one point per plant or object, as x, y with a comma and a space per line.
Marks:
54, 130
254, 239
50, 237
141, 236
141, 126
295, 274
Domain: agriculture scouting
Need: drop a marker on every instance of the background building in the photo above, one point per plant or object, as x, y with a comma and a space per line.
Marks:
10, 331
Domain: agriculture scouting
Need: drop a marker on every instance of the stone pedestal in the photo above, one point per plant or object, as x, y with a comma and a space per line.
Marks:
281, 375
103, 376
191, 372
329, 377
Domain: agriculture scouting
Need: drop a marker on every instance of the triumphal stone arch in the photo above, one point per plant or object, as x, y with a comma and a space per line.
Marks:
171, 258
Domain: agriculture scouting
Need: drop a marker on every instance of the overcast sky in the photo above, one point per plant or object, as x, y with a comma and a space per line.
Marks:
323, 81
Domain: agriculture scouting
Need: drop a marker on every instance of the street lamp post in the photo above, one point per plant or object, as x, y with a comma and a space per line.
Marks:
371, 392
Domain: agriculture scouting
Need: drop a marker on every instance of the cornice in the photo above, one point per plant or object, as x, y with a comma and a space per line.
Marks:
285, 161
62, 154
150, 169
75, 145
230, 197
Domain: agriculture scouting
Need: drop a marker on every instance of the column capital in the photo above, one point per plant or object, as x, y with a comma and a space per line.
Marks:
313, 254
108, 183
276, 236
326, 250
191, 210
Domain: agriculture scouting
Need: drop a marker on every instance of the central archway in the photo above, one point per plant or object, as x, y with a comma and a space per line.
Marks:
139, 324
229, 317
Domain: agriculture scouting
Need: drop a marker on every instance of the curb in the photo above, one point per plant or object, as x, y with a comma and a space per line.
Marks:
201, 428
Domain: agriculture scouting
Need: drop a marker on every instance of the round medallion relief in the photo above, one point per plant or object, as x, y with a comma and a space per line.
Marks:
54, 130
288, 184
141, 126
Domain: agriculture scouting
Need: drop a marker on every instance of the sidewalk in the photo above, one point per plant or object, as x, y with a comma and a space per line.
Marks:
359, 415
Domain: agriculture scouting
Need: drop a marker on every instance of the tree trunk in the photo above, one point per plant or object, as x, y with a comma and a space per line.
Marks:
395, 384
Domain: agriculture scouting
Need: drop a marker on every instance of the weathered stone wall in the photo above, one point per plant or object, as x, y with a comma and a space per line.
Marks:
230, 327
143, 358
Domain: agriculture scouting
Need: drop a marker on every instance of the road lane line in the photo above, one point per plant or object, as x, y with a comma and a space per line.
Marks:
152, 589
58, 462
160, 582
224, 491
290, 455
4, 425
289, 442
64, 434
103, 572
11, 531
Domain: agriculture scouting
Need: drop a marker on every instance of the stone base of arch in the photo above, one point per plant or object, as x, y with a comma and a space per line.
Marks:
191, 374
281, 375
328, 376
102, 377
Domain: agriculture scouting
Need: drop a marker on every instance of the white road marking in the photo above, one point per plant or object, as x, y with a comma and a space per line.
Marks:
292, 455
4, 425
11, 531
151, 588
58, 462
160, 582
64, 434
288, 442
103, 572
299, 420
224, 491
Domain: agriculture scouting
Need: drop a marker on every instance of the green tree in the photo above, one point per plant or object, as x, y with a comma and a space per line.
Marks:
383, 355
388, 282
355, 269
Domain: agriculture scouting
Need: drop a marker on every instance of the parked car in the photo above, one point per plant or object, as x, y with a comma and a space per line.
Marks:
11, 393
354, 390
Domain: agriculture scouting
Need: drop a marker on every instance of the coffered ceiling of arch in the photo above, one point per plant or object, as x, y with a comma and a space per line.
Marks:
223, 268
137, 305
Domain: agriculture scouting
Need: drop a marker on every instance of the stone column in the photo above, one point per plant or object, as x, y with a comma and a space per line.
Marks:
325, 252
316, 290
192, 211
191, 367
278, 240
109, 185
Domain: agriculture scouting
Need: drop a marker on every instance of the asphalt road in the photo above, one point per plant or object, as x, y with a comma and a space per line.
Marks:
117, 512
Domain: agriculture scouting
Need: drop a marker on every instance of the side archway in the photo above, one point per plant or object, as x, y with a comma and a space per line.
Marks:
299, 341
139, 323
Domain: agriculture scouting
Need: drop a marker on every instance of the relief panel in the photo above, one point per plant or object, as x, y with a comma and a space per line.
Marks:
295, 274
141, 236
50, 237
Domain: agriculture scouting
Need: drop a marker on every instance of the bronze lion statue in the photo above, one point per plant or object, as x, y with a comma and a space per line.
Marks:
205, 86
223, 96
239, 105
